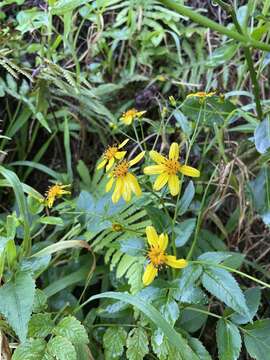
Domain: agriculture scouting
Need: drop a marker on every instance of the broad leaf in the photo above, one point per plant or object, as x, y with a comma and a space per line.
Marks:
32, 349
228, 340
40, 325
61, 348
72, 329
16, 302
137, 344
114, 341
183, 231
262, 136
221, 284
257, 339
253, 298
186, 199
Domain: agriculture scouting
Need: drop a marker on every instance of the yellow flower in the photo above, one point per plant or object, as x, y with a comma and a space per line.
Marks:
172, 100
55, 191
125, 181
128, 116
202, 95
111, 154
168, 169
157, 255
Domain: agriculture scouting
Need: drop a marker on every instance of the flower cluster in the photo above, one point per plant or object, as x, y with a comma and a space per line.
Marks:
125, 183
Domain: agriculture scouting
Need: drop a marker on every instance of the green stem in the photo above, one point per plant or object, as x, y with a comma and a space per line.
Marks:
204, 21
200, 216
255, 85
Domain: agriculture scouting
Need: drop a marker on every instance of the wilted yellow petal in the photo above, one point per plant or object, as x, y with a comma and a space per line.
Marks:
173, 184
136, 159
175, 263
149, 274
152, 236
117, 190
126, 190
109, 184
110, 164
123, 144
120, 154
161, 181
154, 169
134, 185
189, 171
174, 151
158, 158
163, 241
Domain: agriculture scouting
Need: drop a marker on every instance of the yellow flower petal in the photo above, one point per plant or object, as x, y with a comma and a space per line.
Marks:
127, 119
173, 184
123, 144
161, 181
152, 236
158, 158
126, 190
117, 190
136, 159
175, 263
109, 184
154, 169
110, 164
101, 164
120, 154
189, 171
140, 114
149, 274
163, 241
134, 185
174, 151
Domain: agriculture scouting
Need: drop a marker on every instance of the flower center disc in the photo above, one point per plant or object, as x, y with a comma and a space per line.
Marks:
172, 166
121, 169
156, 256
110, 152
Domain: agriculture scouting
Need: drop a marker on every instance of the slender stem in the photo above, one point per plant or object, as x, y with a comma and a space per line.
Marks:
204, 21
200, 216
234, 271
248, 56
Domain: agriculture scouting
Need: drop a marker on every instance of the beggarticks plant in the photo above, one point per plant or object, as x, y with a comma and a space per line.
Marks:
168, 169
157, 256
129, 116
202, 95
54, 192
112, 154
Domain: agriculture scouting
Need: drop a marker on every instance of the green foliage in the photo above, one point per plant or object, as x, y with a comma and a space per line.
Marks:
16, 302
73, 275
114, 340
137, 344
228, 340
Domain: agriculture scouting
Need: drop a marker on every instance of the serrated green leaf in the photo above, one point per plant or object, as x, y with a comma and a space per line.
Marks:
221, 284
72, 329
40, 325
114, 340
40, 301
154, 316
199, 349
16, 302
253, 298
32, 349
137, 344
228, 340
257, 339
61, 348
